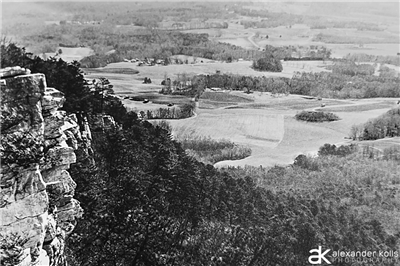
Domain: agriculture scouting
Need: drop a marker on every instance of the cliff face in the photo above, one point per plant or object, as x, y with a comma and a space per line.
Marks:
37, 207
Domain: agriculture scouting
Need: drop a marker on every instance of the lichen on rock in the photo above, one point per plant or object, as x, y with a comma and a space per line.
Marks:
37, 207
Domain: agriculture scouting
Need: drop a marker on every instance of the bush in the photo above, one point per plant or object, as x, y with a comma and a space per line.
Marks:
306, 162
311, 116
211, 151
341, 151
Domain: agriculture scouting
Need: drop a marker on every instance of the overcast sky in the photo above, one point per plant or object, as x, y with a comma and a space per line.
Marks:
265, 1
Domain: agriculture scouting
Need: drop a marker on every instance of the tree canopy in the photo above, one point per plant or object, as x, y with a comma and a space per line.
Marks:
268, 63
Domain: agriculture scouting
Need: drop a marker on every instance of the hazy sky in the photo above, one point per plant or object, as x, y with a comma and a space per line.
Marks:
264, 1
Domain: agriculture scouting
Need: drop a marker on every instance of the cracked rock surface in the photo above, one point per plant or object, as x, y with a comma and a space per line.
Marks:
37, 208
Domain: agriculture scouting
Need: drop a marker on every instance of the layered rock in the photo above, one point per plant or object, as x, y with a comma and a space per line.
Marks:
37, 208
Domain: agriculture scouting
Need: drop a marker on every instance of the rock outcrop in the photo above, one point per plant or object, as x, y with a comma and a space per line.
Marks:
37, 207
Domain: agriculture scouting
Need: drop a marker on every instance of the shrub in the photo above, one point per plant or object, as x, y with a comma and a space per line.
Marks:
211, 151
306, 162
341, 151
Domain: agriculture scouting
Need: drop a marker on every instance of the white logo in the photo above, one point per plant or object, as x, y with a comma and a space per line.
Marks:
317, 259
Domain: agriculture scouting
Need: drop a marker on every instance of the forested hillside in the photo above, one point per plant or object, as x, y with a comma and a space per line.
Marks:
147, 202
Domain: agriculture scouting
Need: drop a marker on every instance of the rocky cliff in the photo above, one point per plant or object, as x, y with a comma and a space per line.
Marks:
37, 207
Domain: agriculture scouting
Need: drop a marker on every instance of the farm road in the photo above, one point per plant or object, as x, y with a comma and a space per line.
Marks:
250, 38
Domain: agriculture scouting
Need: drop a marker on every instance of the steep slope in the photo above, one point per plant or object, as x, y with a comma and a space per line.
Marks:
37, 207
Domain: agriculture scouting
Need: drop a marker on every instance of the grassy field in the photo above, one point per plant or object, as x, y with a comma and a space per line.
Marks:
360, 107
283, 102
70, 54
225, 97
272, 132
131, 86
127, 85
243, 127
263, 121
190, 59
129, 71
373, 42
157, 73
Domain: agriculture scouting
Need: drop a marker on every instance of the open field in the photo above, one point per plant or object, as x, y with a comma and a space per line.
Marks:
369, 42
277, 138
360, 107
281, 137
131, 85
225, 97
340, 50
157, 73
244, 127
374, 43
130, 71
263, 121
282, 102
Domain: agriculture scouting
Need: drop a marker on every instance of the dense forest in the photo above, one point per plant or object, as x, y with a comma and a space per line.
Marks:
147, 202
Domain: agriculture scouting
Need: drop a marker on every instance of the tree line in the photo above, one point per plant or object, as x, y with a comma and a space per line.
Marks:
360, 57
386, 125
322, 84
181, 112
